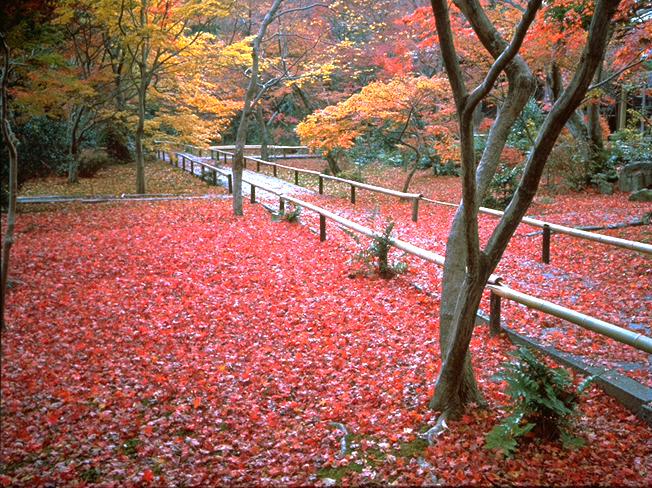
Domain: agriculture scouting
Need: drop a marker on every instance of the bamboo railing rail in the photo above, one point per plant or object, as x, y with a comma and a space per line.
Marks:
414, 197
549, 228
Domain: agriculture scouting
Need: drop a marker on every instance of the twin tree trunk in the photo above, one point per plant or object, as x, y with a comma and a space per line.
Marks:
468, 267
10, 142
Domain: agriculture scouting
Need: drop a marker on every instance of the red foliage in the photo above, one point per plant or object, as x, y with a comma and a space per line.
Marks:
172, 343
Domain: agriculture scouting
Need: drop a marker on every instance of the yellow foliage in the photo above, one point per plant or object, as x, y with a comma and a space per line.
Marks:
415, 109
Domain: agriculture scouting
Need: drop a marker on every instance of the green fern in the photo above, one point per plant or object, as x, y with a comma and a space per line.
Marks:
544, 403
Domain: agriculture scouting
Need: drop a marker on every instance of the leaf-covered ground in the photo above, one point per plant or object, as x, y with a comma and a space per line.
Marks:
602, 281
121, 178
170, 343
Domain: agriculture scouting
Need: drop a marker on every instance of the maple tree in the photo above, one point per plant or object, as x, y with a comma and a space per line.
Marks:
153, 34
413, 112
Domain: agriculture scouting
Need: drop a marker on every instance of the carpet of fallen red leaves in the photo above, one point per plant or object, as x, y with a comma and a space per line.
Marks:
170, 343
602, 281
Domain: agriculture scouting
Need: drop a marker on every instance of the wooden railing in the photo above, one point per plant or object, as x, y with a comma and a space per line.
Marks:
548, 228
185, 161
494, 284
413, 197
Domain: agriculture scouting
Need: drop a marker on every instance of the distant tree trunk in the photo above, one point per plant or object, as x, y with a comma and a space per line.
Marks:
622, 109
10, 142
595, 129
468, 267
304, 99
73, 146
140, 133
331, 159
413, 169
241, 135
264, 133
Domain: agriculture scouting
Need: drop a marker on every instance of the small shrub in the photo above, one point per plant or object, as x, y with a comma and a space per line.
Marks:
377, 255
545, 403
629, 146
289, 215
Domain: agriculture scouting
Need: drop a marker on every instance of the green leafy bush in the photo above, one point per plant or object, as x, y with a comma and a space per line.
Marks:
544, 403
503, 186
377, 255
628, 146
290, 214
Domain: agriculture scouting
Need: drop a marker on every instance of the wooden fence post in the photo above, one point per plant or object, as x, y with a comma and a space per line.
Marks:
214, 178
352, 193
321, 185
253, 194
545, 251
322, 228
192, 166
258, 166
415, 209
281, 206
494, 314
296, 177
229, 180
183, 162
275, 169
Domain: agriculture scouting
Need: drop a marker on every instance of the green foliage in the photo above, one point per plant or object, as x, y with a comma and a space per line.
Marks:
91, 475
42, 149
91, 161
116, 143
354, 174
525, 129
630, 145
291, 214
375, 146
130, 447
503, 186
544, 403
377, 255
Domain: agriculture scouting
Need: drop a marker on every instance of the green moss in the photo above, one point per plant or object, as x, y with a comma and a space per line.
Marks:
412, 449
130, 447
337, 473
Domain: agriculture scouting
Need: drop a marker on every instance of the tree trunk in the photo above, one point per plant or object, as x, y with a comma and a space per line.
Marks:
264, 134
622, 109
521, 86
237, 163
140, 132
467, 267
10, 142
331, 159
73, 147
241, 134
413, 170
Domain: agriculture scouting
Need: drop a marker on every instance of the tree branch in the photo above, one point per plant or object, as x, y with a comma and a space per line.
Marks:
504, 59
